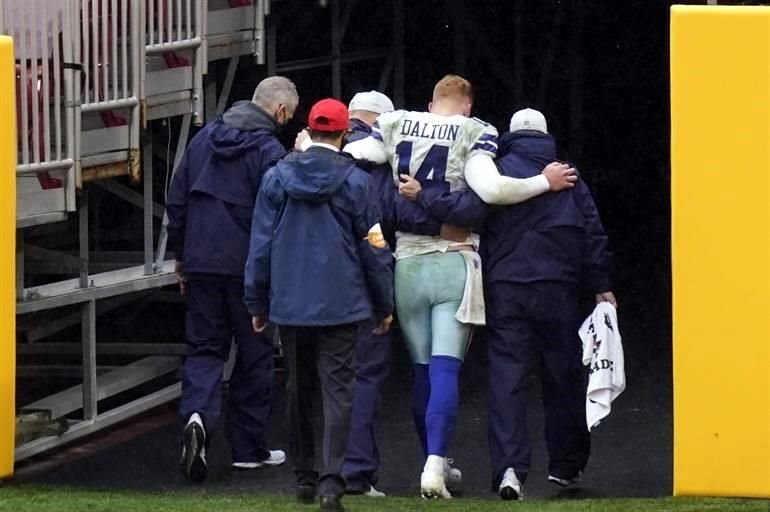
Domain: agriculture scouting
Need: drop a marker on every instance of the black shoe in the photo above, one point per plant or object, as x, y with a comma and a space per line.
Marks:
194, 452
565, 482
331, 503
306, 493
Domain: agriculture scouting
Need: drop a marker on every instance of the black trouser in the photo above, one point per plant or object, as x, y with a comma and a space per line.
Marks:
527, 324
215, 313
362, 458
325, 353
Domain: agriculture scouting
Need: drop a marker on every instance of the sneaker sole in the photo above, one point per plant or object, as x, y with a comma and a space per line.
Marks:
195, 466
270, 464
508, 493
434, 494
258, 465
563, 484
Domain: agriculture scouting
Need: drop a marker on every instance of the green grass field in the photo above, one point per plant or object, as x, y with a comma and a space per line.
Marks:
32, 498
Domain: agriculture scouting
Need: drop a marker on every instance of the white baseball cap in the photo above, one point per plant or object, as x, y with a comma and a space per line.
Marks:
528, 119
372, 101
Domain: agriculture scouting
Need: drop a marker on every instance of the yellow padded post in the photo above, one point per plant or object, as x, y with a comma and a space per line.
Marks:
7, 255
720, 201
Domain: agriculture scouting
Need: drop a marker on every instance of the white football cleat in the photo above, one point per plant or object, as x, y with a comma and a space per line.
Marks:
432, 485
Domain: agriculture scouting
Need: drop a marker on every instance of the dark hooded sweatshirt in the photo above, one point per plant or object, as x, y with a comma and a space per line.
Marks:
211, 198
309, 261
552, 237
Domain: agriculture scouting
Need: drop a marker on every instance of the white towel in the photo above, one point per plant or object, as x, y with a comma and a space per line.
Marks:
603, 352
472, 310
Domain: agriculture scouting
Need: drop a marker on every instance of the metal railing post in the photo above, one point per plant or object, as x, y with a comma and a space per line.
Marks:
147, 213
72, 55
199, 63
88, 333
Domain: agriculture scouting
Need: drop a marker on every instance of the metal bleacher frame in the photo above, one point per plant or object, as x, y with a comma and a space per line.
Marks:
90, 90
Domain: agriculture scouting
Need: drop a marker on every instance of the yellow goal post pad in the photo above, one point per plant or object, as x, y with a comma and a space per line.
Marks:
720, 209
7, 255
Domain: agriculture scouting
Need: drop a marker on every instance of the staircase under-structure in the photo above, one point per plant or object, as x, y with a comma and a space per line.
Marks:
100, 84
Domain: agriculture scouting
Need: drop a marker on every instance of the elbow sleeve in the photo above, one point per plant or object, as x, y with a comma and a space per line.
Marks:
367, 149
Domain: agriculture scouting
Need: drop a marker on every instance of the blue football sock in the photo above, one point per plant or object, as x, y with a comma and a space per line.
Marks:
420, 396
444, 401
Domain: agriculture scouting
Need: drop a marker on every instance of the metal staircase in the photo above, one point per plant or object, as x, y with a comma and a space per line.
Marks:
92, 77
99, 83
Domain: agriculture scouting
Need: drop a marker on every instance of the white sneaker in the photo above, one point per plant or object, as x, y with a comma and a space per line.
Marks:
374, 493
510, 487
453, 477
277, 457
432, 485
193, 463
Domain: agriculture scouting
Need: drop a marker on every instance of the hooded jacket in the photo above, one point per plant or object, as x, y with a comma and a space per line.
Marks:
552, 237
211, 198
309, 262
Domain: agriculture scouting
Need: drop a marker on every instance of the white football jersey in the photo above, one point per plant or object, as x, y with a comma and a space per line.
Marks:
430, 147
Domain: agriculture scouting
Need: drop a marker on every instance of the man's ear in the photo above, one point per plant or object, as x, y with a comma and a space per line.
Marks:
430, 106
467, 110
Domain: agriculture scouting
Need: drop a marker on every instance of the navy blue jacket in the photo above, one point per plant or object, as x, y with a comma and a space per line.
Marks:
552, 237
211, 198
461, 208
435, 204
309, 262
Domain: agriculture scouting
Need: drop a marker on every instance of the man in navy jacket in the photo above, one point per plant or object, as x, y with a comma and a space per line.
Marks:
319, 266
535, 254
210, 204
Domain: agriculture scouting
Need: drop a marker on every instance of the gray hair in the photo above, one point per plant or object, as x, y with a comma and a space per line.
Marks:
275, 90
